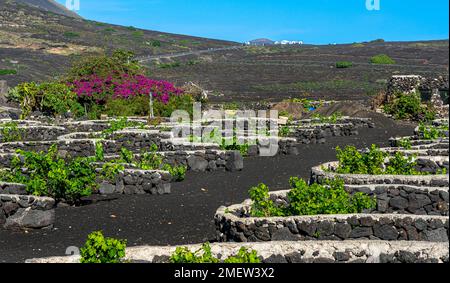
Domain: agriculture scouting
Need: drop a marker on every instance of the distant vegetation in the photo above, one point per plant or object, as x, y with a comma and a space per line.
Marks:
344, 64
169, 65
71, 34
4, 72
382, 59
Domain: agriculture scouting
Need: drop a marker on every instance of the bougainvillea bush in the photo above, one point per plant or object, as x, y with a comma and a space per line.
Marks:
130, 90
116, 85
100, 89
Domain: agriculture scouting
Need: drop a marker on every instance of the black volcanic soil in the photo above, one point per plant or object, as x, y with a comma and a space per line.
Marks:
276, 73
186, 215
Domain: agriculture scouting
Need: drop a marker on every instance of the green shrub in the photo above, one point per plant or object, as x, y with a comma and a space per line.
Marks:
374, 162
99, 151
120, 62
234, 145
156, 43
176, 102
351, 161
10, 132
204, 255
262, 205
331, 199
110, 170
169, 65
126, 156
139, 106
344, 65
285, 131
71, 34
184, 255
382, 59
133, 106
405, 143
231, 106
409, 107
401, 165
244, 256
332, 119
178, 173
4, 72
99, 249
46, 174
314, 199
431, 132
151, 160
51, 98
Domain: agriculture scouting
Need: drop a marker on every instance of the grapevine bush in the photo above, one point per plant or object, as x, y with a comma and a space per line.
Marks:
375, 162
204, 255
46, 174
99, 249
304, 199
409, 107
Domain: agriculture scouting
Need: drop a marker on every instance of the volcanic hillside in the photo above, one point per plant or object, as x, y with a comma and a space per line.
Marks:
51, 6
279, 72
39, 42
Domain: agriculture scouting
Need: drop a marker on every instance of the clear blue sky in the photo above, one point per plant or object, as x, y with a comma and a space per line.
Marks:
313, 21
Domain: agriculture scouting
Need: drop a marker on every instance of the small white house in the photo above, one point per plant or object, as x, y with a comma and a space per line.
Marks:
289, 42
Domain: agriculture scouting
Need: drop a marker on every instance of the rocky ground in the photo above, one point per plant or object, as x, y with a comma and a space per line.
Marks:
186, 215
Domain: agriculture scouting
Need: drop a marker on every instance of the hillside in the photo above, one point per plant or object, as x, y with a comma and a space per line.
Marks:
51, 6
278, 72
39, 44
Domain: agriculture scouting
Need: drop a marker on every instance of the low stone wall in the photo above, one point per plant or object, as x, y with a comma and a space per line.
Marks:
407, 84
389, 227
133, 181
403, 199
298, 252
422, 152
19, 212
39, 133
319, 175
12, 189
419, 144
209, 160
73, 148
318, 134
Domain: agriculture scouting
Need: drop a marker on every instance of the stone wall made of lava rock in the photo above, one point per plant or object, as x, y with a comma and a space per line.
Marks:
19, 212
297, 252
231, 226
407, 84
39, 133
319, 134
404, 199
319, 175
137, 182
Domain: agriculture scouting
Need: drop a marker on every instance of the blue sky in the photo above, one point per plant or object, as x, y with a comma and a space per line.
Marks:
313, 21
